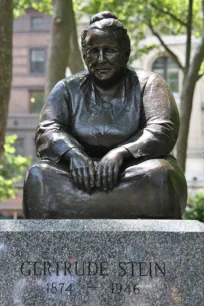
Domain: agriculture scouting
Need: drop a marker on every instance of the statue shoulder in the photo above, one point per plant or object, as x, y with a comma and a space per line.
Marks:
69, 84
76, 80
73, 81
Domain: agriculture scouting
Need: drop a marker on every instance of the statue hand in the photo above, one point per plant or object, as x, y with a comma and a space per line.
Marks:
108, 169
82, 171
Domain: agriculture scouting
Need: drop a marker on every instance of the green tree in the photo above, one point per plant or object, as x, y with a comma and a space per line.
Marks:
43, 6
163, 17
6, 23
12, 168
195, 208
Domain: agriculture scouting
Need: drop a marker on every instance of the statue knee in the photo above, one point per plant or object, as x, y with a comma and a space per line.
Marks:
165, 175
34, 174
161, 168
34, 193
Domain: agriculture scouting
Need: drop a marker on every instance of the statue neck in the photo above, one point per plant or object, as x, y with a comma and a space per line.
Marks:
108, 89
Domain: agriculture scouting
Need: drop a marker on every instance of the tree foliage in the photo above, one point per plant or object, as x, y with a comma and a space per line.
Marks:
6, 25
195, 208
43, 6
12, 168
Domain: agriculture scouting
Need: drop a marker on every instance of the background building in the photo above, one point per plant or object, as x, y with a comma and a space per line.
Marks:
31, 34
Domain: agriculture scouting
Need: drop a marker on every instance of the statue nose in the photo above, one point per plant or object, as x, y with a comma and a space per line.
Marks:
101, 58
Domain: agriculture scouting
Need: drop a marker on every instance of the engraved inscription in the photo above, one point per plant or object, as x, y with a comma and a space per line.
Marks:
131, 268
123, 277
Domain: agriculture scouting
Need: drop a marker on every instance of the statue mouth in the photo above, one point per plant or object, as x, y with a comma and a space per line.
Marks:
103, 70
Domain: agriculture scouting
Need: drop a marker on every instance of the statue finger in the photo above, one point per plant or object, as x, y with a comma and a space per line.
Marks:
105, 178
110, 177
75, 177
86, 179
116, 174
81, 178
98, 176
96, 165
71, 167
92, 176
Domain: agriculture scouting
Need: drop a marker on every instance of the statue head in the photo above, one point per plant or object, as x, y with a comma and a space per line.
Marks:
105, 46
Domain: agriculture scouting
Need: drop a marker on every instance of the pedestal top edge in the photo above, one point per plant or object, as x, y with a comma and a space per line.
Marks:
102, 225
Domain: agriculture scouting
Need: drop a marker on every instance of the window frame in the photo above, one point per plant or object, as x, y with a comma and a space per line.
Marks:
30, 61
31, 22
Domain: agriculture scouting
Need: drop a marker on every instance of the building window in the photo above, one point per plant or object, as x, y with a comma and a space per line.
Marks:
37, 23
167, 68
37, 61
36, 101
19, 147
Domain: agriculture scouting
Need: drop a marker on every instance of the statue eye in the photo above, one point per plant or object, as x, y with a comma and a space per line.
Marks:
94, 51
109, 50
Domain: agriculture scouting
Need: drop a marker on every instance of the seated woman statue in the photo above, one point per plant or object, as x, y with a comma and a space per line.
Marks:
104, 139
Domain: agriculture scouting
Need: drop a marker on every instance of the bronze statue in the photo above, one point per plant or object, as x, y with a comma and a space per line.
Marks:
104, 139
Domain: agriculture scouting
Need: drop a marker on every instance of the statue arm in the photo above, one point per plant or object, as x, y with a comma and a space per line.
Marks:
52, 136
159, 124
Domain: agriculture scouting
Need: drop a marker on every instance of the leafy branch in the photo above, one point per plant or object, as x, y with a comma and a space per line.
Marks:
170, 52
169, 14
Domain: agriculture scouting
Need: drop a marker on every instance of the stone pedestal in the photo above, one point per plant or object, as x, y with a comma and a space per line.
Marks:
101, 263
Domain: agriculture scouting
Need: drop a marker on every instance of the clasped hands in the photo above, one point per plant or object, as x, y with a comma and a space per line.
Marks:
103, 174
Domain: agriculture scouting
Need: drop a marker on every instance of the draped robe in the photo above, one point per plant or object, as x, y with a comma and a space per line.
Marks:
142, 117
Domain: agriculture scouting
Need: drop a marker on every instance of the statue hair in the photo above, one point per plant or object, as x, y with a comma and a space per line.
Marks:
107, 20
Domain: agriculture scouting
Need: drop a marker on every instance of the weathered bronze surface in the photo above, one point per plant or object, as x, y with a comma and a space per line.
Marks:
104, 139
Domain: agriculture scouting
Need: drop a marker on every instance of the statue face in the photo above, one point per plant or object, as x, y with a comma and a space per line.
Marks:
104, 58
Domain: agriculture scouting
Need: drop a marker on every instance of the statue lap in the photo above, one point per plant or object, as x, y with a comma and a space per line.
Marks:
149, 188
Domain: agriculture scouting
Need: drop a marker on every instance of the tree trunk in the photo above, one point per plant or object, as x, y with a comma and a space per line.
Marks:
6, 25
59, 50
187, 102
185, 115
75, 62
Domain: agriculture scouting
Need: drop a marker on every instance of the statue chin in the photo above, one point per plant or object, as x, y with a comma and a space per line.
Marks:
107, 82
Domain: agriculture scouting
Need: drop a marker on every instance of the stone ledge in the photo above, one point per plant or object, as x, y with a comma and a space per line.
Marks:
101, 225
